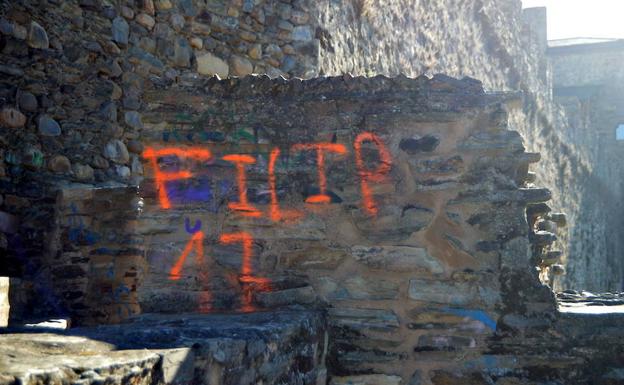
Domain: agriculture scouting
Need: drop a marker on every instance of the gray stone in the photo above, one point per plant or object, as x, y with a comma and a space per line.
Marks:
452, 293
37, 36
48, 126
116, 151
177, 366
133, 119
358, 288
358, 318
27, 102
82, 172
8, 223
366, 379
109, 111
182, 53
397, 258
123, 172
121, 30
300, 295
302, 33
146, 21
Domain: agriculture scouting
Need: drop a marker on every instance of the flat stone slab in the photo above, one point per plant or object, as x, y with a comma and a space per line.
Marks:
268, 348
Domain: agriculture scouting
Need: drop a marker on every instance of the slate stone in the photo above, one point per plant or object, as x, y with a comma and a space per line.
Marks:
37, 36
427, 143
48, 126
120, 30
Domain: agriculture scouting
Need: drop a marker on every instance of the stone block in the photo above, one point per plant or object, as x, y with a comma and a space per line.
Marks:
4, 301
397, 258
366, 379
359, 318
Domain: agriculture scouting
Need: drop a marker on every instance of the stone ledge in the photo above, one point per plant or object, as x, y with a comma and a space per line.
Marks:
171, 349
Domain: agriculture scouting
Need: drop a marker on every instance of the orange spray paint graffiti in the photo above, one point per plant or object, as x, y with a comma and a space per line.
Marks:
320, 148
242, 205
247, 277
366, 176
275, 213
161, 178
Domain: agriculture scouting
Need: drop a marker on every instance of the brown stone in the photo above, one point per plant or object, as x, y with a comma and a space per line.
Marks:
12, 118
59, 164
240, 66
145, 20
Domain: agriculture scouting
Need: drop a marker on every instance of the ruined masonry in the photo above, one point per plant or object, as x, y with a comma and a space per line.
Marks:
253, 229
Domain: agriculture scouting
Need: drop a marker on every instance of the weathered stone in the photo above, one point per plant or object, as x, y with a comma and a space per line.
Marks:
374, 319
397, 258
133, 119
163, 5
135, 146
366, 379
208, 64
116, 151
182, 53
427, 143
197, 42
48, 126
255, 51
145, 20
300, 295
82, 172
443, 343
452, 293
12, 118
4, 302
59, 164
27, 102
357, 288
302, 33
240, 66
8, 223
37, 36
120, 31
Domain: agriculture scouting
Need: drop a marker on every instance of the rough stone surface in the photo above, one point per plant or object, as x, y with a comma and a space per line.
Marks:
209, 64
269, 348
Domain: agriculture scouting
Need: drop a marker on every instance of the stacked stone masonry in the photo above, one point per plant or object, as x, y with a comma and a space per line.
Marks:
393, 210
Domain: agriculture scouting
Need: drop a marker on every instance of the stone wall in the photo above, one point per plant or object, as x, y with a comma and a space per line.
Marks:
505, 47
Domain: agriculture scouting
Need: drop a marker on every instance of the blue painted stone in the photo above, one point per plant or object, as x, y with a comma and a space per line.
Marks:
48, 126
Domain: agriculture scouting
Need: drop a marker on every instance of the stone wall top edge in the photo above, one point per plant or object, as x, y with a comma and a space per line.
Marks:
245, 87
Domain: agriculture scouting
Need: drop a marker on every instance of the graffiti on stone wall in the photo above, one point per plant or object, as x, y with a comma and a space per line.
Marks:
168, 171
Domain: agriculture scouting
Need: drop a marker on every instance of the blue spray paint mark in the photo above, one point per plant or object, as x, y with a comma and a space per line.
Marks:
196, 227
196, 190
478, 315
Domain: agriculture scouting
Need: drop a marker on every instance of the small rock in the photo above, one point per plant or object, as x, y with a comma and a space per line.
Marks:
145, 20
135, 146
163, 5
109, 111
37, 36
127, 12
59, 164
82, 172
208, 64
182, 52
48, 126
255, 52
133, 119
240, 66
197, 43
123, 172
11, 117
177, 21
99, 162
302, 33
299, 17
19, 32
286, 26
121, 29
116, 151
137, 166
27, 102
148, 7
